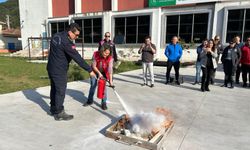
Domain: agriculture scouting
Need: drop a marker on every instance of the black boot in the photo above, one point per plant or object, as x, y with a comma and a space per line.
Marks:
207, 88
63, 116
231, 85
244, 84
104, 106
225, 83
202, 87
88, 103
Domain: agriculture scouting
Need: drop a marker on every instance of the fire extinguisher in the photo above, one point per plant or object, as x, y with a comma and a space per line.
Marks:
101, 88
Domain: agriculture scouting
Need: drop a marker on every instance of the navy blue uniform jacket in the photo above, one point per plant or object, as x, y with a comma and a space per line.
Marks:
62, 51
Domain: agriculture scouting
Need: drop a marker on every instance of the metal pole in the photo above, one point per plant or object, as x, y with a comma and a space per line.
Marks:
42, 48
29, 48
8, 21
82, 49
48, 44
82, 39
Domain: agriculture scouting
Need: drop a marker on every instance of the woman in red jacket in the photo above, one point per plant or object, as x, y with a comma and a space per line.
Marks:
102, 65
245, 62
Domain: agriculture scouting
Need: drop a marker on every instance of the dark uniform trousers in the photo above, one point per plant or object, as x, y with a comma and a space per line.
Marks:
57, 92
62, 51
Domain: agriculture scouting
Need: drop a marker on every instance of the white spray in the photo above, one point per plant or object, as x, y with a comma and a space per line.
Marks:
129, 111
143, 123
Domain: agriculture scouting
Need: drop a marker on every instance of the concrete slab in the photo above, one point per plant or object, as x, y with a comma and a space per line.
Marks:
203, 121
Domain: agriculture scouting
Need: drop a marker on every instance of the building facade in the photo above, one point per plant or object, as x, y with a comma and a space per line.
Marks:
129, 21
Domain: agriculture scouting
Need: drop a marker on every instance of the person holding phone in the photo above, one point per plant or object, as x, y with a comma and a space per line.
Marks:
147, 51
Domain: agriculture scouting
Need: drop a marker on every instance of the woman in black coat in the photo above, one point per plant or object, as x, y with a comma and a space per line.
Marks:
230, 59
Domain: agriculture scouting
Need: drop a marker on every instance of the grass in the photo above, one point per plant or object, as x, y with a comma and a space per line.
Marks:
17, 74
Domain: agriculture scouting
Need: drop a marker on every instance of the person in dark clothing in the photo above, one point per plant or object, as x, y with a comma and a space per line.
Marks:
230, 60
238, 70
62, 51
219, 48
108, 41
198, 62
208, 64
173, 52
245, 62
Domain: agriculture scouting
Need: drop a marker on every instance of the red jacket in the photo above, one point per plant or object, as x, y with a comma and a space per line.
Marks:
245, 55
103, 65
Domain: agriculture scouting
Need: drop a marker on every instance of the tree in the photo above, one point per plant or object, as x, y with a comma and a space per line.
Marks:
10, 7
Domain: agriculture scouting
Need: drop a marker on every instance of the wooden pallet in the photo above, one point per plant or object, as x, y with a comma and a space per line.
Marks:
153, 144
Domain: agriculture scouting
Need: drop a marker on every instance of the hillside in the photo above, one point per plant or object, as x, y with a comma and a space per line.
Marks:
10, 7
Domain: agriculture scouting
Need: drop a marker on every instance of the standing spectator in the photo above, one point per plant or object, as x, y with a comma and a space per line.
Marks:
245, 62
208, 64
238, 70
218, 46
102, 65
230, 60
108, 41
147, 50
198, 62
173, 52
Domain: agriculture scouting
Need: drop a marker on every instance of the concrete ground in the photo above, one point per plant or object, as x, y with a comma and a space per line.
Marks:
216, 120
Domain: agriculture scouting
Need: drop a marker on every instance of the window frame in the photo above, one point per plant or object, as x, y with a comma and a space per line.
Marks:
192, 25
92, 38
131, 15
176, 12
55, 21
225, 22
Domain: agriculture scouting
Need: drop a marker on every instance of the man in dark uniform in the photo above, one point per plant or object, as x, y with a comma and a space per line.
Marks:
62, 51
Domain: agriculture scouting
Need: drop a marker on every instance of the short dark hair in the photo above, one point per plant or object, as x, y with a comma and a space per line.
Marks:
237, 36
205, 39
73, 27
147, 37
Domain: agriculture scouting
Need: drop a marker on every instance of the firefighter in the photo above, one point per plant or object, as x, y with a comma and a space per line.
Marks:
62, 51
103, 66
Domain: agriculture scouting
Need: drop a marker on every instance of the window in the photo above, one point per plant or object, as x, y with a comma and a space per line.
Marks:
189, 27
131, 29
91, 30
58, 27
247, 25
200, 27
238, 24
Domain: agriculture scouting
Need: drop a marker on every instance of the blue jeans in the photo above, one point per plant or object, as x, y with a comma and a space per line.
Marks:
93, 84
198, 72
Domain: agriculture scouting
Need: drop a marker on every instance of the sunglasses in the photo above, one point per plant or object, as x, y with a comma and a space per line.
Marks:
107, 36
75, 34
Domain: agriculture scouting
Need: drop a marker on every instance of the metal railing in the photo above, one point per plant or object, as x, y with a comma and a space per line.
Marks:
38, 47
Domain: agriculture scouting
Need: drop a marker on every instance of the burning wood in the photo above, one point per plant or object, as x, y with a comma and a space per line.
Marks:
144, 125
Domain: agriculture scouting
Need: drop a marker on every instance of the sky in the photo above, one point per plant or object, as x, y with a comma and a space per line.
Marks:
2, 1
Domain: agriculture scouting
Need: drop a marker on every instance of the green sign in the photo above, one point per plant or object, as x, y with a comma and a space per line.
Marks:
159, 3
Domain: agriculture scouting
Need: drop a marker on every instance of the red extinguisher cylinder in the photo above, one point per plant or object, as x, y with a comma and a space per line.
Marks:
101, 88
